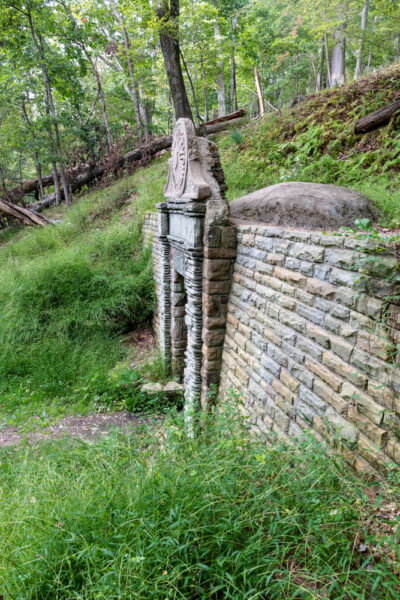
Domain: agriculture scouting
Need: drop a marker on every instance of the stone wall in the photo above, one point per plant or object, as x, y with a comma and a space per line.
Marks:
305, 347
150, 229
305, 344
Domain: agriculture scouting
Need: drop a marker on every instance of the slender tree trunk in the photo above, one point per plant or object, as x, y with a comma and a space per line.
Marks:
203, 75
368, 68
168, 16
314, 68
338, 66
37, 40
320, 66
192, 88
359, 53
133, 94
36, 154
220, 76
328, 63
145, 115
396, 46
57, 189
38, 168
101, 97
233, 87
131, 89
259, 92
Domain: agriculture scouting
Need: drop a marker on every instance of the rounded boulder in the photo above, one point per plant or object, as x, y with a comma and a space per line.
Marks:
304, 205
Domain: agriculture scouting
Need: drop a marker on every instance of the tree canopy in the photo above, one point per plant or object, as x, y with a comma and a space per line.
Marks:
82, 79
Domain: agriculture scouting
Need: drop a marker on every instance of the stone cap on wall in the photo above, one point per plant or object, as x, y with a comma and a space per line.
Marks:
305, 205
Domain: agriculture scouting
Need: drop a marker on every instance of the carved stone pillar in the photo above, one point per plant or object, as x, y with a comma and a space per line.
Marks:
195, 269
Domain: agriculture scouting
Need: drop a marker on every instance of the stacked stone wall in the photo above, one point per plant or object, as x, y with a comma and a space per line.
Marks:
305, 348
150, 229
310, 342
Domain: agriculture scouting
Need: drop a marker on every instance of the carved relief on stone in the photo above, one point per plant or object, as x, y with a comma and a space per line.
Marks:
185, 179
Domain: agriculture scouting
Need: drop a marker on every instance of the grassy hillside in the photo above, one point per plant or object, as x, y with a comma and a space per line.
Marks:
69, 292
315, 141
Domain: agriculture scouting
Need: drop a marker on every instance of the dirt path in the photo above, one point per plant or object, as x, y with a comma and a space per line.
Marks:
86, 428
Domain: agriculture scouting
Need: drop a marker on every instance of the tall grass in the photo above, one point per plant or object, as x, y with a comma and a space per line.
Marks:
68, 292
220, 516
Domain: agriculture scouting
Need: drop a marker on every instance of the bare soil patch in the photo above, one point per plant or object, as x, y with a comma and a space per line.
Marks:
87, 428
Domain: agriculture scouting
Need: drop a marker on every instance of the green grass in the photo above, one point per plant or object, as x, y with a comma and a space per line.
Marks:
69, 292
220, 516
315, 142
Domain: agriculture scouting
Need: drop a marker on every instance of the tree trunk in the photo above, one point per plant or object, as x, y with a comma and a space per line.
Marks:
396, 46
319, 66
259, 92
101, 97
233, 87
57, 189
378, 118
338, 66
328, 63
50, 107
145, 115
203, 75
220, 76
192, 88
131, 89
25, 215
40, 187
359, 53
38, 168
168, 17
368, 68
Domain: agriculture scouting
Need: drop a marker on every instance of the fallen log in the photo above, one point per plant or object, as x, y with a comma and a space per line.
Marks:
81, 180
235, 115
28, 186
377, 119
137, 155
28, 217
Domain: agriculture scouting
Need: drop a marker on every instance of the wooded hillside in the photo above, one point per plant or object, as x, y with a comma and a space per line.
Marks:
82, 83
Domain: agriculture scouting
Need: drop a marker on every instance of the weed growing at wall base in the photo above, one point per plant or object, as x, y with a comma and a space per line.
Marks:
220, 516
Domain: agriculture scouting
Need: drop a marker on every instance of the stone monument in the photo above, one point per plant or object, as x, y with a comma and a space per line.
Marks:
197, 249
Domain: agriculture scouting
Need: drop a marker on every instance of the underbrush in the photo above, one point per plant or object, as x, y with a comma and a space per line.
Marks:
69, 292
315, 142
164, 516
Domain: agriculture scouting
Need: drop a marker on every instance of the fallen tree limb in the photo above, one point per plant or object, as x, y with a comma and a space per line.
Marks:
28, 186
28, 217
138, 155
235, 115
376, 119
